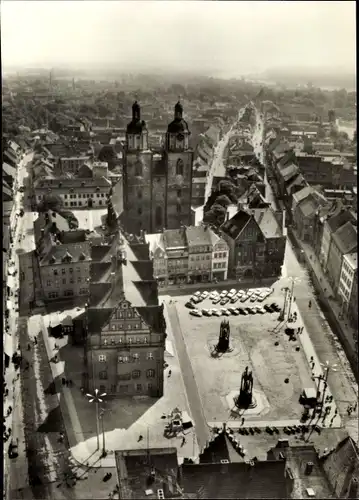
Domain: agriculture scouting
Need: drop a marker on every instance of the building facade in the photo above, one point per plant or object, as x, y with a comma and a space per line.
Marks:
348, 276
343, 241
157, 186
256, 244
77, 193
188, 255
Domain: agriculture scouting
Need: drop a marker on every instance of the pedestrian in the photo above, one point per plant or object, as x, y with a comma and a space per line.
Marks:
310, 304
63, 380
70, 382
183, 441
355, 407
140, 437
35, 340
170, 373
28, 347
242, 420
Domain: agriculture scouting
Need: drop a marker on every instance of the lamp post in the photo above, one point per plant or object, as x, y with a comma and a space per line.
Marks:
97, 398
326, 368
293, 280
282, 313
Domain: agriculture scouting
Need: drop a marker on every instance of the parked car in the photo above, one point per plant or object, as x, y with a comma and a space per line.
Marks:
224, 301
223, 293
195, 300
244, 297
259, 310
196, 312
216, 312
204, 294
213, 295
197, 294
250, 310
254, 297
268, 308
225, 312
232, 293
242, 311
190, 305
262, 296
235, 312
275, 306
216, 300
206, 312
234, 299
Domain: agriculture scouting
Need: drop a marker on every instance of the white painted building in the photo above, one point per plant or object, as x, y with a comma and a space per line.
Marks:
347, 277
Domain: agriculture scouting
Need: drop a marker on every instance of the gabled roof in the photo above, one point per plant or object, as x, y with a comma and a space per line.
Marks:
234, 226
175, 238
198, 235
57, 253
235, 480
8, 170
267, 223
339, 218
346, 238
302, 194
308, 206
289, 172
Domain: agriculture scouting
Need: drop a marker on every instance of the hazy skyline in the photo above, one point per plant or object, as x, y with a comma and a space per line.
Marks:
226, 38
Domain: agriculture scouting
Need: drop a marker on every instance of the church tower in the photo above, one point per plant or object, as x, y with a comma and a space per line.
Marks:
178, 159
137, 175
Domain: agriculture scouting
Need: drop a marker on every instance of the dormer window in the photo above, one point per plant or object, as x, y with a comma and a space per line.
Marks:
52, 260
97, 189
67, 257
82, 256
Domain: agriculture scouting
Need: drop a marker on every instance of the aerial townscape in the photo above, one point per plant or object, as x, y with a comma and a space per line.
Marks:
180, 287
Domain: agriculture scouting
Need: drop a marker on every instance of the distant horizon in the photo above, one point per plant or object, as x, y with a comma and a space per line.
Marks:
233, 39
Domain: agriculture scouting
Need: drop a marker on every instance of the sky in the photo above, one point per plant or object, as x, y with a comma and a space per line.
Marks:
228, 38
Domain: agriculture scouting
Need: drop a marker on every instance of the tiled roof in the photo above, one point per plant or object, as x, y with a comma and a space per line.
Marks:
308, 206
303, 193
74, 250
134, 469
289, 172
198, 235
234, 226
236, 480
267, 223
8, 170
339, 219
100, 271
174, 238
97, 318
144, 269
346, 238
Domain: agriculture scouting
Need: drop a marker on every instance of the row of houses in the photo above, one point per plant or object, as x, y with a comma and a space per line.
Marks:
331, 228
250, 244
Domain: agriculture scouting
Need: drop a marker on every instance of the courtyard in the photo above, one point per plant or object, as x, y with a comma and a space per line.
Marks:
280, 372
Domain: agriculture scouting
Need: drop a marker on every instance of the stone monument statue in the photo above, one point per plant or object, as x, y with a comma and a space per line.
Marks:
245, 398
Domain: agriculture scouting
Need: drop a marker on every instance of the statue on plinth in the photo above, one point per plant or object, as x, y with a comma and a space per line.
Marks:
245, 398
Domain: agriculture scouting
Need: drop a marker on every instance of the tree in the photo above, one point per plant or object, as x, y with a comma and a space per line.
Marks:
51, 202
107, 154
228, 188
223, 200
331, 116
215, 216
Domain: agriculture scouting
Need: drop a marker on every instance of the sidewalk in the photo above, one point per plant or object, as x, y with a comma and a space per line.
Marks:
345, 332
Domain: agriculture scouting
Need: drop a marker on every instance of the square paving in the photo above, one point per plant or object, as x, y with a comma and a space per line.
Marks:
252, 339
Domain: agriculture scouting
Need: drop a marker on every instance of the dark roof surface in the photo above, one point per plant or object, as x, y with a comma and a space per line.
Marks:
236, 224
174, 238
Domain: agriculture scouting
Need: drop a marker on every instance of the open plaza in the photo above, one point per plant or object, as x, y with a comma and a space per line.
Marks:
281, 368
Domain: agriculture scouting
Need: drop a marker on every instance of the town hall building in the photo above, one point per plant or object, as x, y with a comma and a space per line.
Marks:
157, 184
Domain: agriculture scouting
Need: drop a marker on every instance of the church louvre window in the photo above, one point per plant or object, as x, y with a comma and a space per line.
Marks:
138, 169
179, 167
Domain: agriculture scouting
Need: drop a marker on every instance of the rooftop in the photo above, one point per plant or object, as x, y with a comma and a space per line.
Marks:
175, 238
267, 223
234, 226
199, 235
346, 238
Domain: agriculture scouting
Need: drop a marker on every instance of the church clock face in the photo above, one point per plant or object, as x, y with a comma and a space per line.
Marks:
180, 137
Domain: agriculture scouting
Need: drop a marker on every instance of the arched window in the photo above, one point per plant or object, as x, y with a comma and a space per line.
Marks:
179, 167
158, 216
138, 169
150, 373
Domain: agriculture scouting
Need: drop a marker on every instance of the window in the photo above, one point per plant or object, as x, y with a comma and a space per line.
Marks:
138, 339
150, 373
68, 293
179, 167
79, 279
102, 388
71, 270
149, 355
179, 193
102, 358
103, 375
64, 281
179, 209
113, 388
138, 387
63, 271
55, 272
49, 282
149, 386
136, 374
138, 169
71, 280
145, 340
130, 339
83, 291
136, 355
65, 196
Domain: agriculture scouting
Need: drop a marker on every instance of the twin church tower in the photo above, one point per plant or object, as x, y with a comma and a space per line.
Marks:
157, 186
